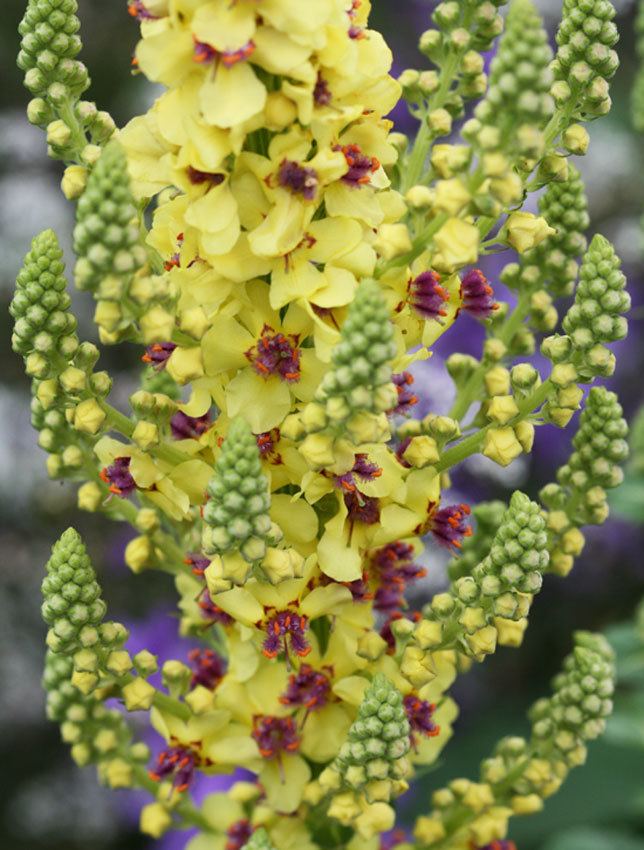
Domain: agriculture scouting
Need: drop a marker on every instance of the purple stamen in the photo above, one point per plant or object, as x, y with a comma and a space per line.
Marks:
419, 714
477, 296
186, 427
406, 399
448, 525
158, 354
284, 630
275, 735
118, 476
180, 763
276, 354
208, 668
298, 179
427, 296
308, 688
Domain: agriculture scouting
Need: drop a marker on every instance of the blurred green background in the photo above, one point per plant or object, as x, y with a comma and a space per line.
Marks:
45, 802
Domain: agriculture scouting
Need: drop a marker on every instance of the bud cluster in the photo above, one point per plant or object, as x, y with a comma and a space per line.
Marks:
48, 50
594, 320
357, 390
492, 602
550, 270
66, 389
106, 237
236, 514
521, 774
579, 497
519, 87
585, 60
96, 734
371, 765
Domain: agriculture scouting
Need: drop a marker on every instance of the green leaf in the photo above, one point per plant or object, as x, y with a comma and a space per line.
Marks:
591, 839
628, 500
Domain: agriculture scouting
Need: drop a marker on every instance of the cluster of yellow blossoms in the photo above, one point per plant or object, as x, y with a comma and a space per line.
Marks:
271, 244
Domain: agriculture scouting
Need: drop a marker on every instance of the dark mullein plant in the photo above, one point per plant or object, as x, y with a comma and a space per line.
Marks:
281, 258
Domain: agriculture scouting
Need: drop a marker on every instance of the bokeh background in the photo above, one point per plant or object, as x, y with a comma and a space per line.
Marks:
45, 802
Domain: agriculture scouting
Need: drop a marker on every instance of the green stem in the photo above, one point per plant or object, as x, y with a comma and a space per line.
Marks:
173, 706
417, 158
119, 421
67, 114
125, 426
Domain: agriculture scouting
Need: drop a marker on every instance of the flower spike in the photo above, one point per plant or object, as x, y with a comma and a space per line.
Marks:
236, 514
106, 234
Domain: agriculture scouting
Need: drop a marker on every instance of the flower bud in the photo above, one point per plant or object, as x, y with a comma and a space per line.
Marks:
523, 231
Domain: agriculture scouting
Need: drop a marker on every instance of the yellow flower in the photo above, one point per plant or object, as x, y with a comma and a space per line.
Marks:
457, 243
524, 231
360, 484
264, 355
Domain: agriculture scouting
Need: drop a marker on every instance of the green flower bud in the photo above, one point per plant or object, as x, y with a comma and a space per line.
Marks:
378, 739
600, 445
565, 207
43, 323
106, 236
72, 603
49, 45
581, 701
259, 840
236, 514
585, 60
520, 78
359, 380
594, 319
637, 93
460, 367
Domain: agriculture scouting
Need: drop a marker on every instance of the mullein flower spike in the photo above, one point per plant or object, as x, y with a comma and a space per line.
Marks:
72, 602
519, 87
521, 773
284, 263
360, 378
48, 50
585, 60
565, 207
45, 329
596, 316
378, 739
579, 496
492, 602
106, 236
236, 513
